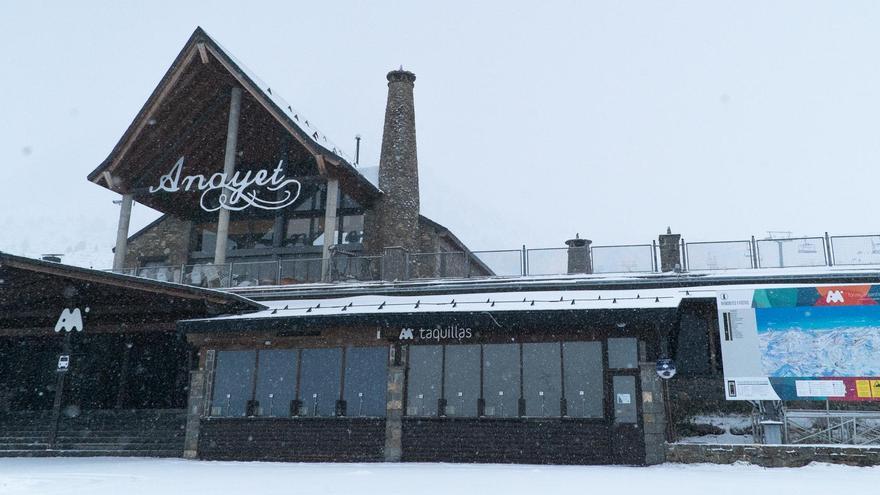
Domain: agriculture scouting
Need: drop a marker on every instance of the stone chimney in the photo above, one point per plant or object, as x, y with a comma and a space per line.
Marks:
579, 255
394, 219
670, 251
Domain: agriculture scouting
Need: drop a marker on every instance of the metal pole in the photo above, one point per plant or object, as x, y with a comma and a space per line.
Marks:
122, 232
59, 393
656, 267
228, 169
753, 247
781, 255
829, 260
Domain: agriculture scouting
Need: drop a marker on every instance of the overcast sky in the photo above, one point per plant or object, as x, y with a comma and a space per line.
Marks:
535, 120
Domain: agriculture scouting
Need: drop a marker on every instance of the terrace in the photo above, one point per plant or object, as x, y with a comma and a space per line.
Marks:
648, 258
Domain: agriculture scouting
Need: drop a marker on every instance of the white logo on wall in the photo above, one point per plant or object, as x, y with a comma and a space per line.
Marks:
834, 296
406, 334
235, 193
70, 320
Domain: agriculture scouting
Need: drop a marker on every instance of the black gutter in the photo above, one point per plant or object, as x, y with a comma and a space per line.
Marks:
304, 325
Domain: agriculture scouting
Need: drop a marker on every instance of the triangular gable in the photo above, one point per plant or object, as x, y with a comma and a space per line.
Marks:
201, 45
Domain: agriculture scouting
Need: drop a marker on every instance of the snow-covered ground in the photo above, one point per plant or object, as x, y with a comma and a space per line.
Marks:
737, 429
107, 476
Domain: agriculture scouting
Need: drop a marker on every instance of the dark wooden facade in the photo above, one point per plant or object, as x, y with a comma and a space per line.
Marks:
537, 440
293, 439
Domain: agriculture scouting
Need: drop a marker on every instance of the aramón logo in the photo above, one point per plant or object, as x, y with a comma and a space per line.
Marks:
69, 321
834, 296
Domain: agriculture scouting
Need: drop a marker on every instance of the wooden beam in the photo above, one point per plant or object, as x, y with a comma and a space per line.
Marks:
152, 108
203, 53
322, 165
268, 105
108, 178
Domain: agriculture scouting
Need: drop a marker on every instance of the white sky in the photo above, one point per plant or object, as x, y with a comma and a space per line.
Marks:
535, 120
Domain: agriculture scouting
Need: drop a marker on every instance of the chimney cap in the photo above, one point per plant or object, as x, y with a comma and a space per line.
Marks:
401, 75
577, 242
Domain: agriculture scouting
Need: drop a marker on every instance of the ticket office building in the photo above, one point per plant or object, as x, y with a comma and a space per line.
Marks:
542, 388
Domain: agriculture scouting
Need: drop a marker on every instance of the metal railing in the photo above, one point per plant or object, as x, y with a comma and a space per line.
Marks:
810, 251
832, 427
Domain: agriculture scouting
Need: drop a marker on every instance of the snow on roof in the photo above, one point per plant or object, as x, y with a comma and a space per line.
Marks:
371, 174
467, 303
301, 121
713, 279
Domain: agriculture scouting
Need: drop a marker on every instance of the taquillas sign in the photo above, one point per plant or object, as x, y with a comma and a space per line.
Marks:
451, 332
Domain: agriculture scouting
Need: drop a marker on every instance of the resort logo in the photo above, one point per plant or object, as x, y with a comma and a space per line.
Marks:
235, 193
70, 321
834, 296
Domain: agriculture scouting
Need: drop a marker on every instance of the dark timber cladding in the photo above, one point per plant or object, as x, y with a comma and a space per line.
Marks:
33, 293
122, 390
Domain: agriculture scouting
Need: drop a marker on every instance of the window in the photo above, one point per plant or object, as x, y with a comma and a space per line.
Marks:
351, 228
584, 389
251, 234
625, 399
206, 237
276, 382
233, 382
304, 231
623, 353
423, 380
366, 377
462, 380
501, 380
320, 376
542, 379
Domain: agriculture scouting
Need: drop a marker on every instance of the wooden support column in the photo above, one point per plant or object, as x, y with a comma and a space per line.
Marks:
122, 232
329, 226
228, 169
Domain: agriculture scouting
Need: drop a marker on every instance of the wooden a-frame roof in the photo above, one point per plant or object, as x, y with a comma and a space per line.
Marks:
203, 71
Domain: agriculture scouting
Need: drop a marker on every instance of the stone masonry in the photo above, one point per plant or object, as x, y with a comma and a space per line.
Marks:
167, 239
394, 221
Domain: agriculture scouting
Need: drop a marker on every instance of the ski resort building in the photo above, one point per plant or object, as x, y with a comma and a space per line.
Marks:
290, 304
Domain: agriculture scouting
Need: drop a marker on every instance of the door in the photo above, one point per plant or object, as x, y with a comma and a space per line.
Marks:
627, 441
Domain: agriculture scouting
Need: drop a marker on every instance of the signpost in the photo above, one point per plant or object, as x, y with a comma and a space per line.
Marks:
801, 343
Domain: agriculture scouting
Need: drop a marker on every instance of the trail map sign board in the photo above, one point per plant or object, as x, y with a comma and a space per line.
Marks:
805, 343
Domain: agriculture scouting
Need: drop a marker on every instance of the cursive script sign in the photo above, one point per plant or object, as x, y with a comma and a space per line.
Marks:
241, 190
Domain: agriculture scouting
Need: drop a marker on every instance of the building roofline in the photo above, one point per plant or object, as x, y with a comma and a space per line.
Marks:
139, 283
567, 282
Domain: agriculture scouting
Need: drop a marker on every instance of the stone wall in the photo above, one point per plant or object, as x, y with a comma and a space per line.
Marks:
653, 414
168, 239
773, 455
